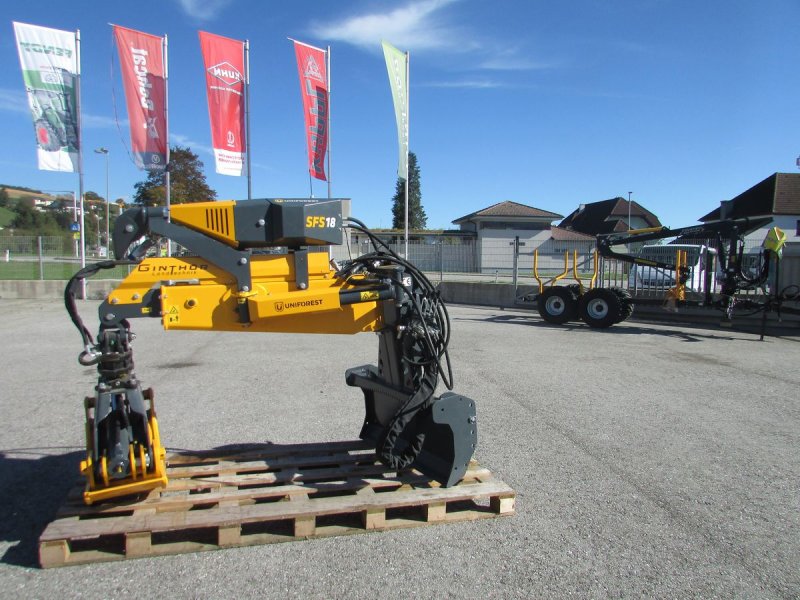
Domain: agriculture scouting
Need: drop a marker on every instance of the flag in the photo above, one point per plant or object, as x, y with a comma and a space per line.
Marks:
141, 60
50, 69
223, 59
396, 62
314, 90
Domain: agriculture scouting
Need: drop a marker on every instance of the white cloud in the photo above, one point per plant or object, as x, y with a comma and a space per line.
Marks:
14, 101
474, 84
261, 166
186, 141
415, 26
513, 59
99, 122
203, 10
424, 25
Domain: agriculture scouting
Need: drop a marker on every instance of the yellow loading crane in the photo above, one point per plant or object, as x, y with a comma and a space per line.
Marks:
230, 281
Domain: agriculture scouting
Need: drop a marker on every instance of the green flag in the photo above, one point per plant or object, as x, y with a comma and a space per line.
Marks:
397, 65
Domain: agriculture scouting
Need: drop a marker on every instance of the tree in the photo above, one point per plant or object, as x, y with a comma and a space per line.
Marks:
187, 180
4, 197
30, 221
417, 219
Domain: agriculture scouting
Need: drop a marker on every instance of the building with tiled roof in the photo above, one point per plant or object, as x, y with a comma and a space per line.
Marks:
507, 214
609, 216
500, 228
560, 234
777, 196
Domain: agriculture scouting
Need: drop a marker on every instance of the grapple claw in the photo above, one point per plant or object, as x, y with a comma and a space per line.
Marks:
438, 436
451, 435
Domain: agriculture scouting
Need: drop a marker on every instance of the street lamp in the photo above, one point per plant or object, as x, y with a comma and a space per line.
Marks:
102, 150
97, 221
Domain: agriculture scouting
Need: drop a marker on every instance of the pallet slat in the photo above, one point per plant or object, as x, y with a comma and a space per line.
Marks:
264, 495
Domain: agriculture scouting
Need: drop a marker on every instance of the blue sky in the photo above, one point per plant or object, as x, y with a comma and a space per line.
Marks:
550, 104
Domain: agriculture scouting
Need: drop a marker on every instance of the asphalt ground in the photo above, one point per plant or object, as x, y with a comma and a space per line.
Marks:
649, 460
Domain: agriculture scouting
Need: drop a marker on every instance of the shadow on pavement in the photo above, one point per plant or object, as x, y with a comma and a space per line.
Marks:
35, 484
687, 331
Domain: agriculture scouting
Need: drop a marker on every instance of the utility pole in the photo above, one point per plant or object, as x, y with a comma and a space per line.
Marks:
104, 151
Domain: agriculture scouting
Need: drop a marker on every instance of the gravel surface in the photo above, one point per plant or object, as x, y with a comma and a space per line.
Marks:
649, 460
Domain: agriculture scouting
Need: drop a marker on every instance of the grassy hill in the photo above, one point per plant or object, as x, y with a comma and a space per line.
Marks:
16, 193
6, 216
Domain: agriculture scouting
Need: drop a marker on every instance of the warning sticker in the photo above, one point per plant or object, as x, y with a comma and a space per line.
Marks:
369, 295
172, 315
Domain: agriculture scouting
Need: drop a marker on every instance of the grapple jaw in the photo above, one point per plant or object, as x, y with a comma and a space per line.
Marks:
437, 437
124, 452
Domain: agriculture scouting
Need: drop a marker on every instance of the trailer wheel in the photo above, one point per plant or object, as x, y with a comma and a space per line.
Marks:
557, 305
600, 308
625, 303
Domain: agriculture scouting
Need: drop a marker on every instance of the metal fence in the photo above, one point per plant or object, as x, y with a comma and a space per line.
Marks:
28, 257
443, 258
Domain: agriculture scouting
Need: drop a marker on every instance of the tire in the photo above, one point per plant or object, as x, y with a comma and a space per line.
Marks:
46, 136
557, 305
625, 302
600, 308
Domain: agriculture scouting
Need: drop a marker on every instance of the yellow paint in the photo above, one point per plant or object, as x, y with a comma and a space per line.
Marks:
197, 295
645, 230
143, 481
214, 219
213, 297
369, 295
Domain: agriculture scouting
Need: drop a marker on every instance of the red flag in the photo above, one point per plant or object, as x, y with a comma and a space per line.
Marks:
314, 89
224, 62
142, 63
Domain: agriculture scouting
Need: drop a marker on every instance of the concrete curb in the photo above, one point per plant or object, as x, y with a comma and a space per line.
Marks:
96, 289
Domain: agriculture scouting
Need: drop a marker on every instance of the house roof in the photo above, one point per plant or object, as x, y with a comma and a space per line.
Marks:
778, 194
509, 210
607, 216
563, 235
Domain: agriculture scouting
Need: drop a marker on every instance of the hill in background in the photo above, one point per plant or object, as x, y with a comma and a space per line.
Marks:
20, 193
6, 216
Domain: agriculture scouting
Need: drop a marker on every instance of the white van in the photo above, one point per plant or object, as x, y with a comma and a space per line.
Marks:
700, 259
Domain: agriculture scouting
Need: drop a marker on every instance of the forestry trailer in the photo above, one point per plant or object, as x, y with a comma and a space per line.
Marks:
602, 307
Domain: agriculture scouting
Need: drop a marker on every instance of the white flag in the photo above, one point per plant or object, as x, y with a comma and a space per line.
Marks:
49, 61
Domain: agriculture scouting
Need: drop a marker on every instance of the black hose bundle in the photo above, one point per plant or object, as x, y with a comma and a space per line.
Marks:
70, 293
427, 305
426, 338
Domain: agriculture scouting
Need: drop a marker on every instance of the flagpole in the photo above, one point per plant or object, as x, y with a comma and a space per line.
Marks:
408, 126
247, 115
167, 179
80, 156
328, 116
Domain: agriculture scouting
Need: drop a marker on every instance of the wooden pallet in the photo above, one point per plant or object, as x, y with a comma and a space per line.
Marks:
265, 494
